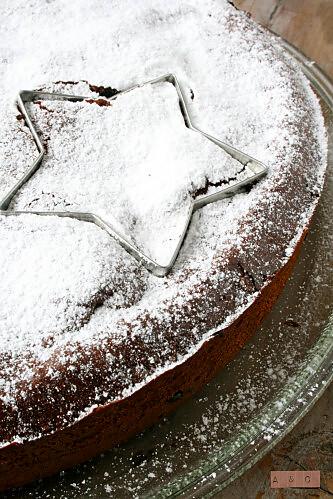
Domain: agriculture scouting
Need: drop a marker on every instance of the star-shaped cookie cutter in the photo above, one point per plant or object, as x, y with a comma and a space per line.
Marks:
254, 168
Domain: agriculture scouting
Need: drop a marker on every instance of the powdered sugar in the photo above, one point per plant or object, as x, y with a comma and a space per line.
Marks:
38, 253
133, 162
241, 88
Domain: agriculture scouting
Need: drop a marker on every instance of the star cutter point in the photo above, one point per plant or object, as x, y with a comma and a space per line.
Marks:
255, 170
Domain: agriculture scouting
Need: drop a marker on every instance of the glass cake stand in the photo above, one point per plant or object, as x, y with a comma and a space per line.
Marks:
255, 400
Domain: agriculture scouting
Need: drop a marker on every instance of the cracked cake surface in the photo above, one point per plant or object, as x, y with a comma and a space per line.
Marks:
77, 311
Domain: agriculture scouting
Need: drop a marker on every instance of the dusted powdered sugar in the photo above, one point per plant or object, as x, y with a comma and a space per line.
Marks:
69, 293
46, 293
132, 162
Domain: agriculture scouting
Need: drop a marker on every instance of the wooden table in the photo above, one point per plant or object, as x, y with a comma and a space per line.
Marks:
308, 24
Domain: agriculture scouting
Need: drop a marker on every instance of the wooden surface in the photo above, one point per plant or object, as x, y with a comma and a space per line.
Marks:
308, 24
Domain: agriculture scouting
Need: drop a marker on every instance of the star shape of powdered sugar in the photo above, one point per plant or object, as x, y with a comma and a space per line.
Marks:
254, 169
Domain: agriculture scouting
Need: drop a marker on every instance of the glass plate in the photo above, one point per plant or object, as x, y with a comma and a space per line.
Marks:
255, 400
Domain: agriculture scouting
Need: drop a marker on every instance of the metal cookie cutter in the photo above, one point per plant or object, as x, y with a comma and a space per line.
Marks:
254, 168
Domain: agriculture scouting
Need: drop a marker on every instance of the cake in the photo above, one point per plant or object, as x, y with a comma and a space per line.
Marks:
94, 347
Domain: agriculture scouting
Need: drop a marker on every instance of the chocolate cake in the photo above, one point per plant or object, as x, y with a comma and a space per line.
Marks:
95, 348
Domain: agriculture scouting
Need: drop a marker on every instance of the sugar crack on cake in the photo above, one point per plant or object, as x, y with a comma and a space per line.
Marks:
93, 346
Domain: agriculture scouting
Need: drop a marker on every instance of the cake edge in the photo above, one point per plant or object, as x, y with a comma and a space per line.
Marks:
115, 423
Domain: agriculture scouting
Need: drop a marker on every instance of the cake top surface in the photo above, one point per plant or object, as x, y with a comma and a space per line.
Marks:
70, 292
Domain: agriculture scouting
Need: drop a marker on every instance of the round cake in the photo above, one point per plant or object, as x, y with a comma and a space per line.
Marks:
94, 347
